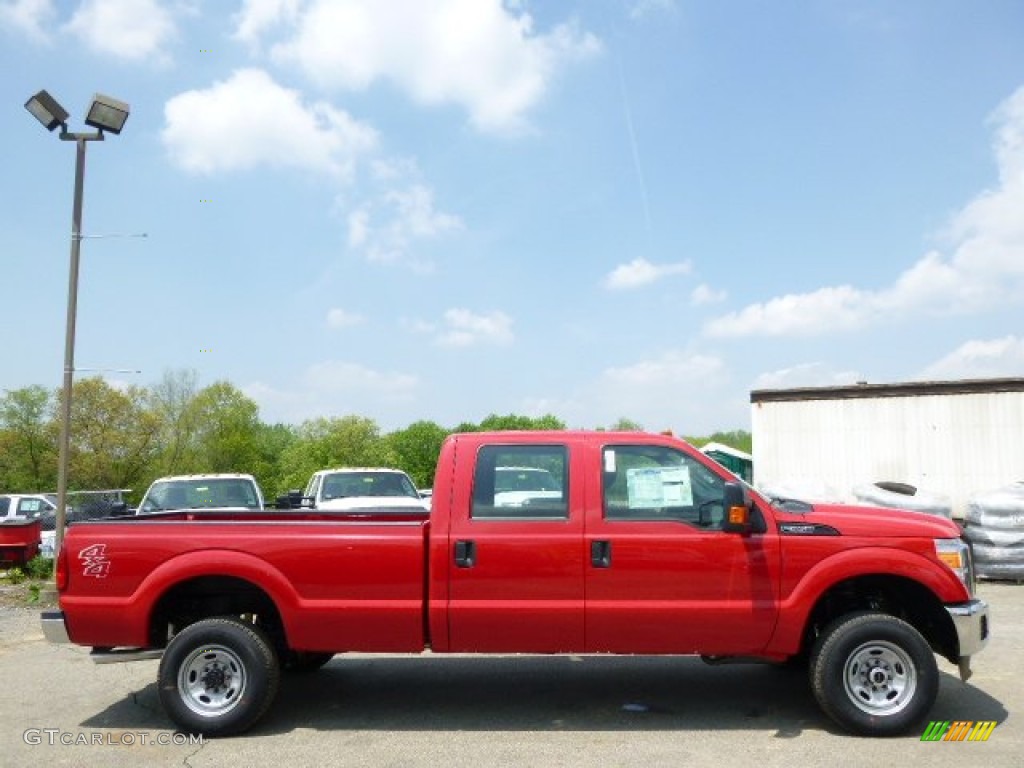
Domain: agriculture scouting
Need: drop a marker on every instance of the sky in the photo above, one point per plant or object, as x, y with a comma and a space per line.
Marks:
443, 209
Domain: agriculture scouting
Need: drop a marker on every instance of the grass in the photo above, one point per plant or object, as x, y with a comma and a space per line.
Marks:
25, 586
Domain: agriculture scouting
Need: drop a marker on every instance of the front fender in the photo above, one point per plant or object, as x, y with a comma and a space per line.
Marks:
795, 608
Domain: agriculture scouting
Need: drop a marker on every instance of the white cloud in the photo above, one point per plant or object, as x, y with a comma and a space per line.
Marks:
249, 120
338, 318
704, 294
386, 227
462, 328
669, 370
258, 16
333, 388
483, 55
680, 390
640, 272
687, 391
416, 325
994, 358
128, 29
805, 375
639, 9
985, 268
337, 376
805, 314
30, 17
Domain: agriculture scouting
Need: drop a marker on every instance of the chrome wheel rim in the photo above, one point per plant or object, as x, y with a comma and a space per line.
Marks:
212, 680
880, 678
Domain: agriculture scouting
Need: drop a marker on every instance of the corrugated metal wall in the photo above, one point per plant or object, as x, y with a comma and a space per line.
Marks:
953, 444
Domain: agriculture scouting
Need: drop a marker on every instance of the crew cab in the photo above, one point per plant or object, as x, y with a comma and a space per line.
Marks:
648, 547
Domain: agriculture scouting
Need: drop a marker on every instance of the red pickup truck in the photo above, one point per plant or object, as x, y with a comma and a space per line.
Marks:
642, 545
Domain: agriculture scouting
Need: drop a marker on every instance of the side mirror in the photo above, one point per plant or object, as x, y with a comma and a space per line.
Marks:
737, 509
290, 500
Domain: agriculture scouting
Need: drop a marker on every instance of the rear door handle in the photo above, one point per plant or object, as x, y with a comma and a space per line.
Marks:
601, 554
465, 554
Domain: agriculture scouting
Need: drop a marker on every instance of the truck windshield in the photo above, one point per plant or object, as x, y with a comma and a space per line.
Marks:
343, 485
523, 479
200, 494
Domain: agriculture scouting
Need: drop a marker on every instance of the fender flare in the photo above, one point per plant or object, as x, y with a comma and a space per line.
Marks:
216, 562
873, 560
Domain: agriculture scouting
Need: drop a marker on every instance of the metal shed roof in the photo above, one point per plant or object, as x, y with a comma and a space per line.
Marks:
903, 389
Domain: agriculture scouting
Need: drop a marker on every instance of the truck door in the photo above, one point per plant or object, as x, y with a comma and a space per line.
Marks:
515, 550
662, 576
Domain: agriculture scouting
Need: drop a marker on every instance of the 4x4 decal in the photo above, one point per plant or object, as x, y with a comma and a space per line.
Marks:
94, 561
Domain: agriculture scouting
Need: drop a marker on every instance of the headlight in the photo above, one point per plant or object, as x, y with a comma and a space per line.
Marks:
956, 553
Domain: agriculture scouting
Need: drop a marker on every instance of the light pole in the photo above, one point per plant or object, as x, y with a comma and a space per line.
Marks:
105, 114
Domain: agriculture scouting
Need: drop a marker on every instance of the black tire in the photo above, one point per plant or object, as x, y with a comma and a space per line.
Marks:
218, 677
874, 674
304, 662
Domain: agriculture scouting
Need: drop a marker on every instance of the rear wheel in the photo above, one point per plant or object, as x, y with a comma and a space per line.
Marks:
874, 674
218, 677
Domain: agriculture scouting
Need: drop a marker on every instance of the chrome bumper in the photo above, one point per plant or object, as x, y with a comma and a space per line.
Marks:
54, 628
971, 623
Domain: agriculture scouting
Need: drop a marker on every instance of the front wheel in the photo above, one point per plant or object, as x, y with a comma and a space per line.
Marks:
874, 674
218, 677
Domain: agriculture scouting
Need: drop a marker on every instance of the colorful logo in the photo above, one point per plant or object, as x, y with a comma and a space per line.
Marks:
958, 730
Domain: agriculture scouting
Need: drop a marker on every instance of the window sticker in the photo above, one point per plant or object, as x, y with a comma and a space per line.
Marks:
609, 460
653, 487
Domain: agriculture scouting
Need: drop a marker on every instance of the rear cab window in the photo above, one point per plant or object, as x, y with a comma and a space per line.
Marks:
521, 482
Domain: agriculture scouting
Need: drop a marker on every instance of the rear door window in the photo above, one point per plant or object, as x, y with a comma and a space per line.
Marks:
517, 482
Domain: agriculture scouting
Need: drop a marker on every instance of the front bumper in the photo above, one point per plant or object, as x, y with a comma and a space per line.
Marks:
55, 630
970, 620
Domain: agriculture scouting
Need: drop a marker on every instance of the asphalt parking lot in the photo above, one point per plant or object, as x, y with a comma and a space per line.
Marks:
57, 708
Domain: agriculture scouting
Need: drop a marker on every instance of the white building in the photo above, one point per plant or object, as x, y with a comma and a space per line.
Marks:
950, 438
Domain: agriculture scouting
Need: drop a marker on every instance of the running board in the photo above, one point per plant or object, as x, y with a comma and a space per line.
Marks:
117, 655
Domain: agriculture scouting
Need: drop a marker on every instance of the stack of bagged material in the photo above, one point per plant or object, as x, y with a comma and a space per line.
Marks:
994, 524
903, 496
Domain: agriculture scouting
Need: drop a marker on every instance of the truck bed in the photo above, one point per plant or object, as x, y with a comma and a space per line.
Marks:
339, 580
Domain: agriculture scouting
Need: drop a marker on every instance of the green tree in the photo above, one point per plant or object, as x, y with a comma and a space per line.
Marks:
171, 400
272, 440
227, 427
737, 438
625, 425
113, 435
416, 448
28, 440
496, 423
352, 441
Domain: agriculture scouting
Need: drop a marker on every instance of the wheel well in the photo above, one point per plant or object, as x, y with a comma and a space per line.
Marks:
208, 596
894, 595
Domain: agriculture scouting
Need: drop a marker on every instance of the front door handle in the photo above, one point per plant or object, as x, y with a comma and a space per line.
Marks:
601, 554
465, 554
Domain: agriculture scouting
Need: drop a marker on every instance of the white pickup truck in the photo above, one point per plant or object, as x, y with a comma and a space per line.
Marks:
355, 488
219, 491
27, 505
